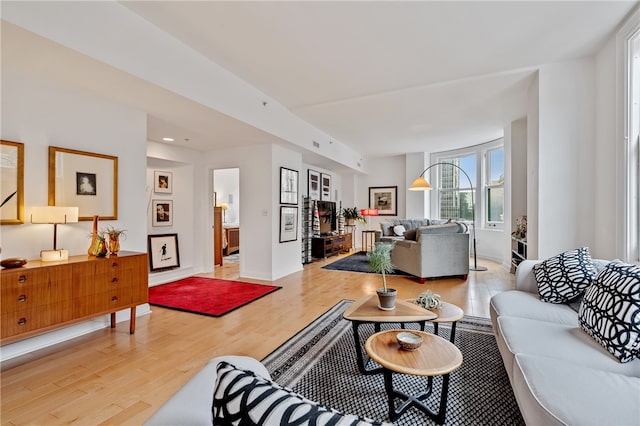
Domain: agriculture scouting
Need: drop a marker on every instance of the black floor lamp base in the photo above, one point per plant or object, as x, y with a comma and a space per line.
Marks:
477, 268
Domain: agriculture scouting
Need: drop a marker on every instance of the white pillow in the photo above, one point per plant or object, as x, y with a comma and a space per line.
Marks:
399, 230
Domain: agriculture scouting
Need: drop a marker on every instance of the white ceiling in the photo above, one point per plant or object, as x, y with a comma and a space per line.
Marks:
382, 77
392, 77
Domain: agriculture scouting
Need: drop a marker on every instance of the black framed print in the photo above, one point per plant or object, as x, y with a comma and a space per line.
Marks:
313, 180
288, 224
385, 199
163, 252
288, 186
326, 187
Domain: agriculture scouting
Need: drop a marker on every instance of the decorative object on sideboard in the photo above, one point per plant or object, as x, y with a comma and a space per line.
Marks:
421, 184
353, 215
114, 235
380, 263
12, 178
521, 228
84, 179
13, 262
54, 215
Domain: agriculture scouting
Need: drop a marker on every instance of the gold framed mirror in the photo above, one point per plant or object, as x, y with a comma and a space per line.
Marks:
12, 183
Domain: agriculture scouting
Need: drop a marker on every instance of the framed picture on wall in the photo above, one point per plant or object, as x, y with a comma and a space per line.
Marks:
288, 186
86, 180
313, 180
163, 252
326, 187
12, 178
162, 182
288, 224
162, 212
385, 199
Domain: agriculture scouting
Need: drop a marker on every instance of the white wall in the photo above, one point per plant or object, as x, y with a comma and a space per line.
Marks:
533, 186
566, 145
41, 114
607, 193
388, 171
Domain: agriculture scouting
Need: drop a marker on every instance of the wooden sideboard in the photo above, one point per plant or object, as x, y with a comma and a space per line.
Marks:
43, 296
322, 247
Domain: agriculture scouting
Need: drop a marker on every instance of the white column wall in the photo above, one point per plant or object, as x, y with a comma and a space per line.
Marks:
566, 143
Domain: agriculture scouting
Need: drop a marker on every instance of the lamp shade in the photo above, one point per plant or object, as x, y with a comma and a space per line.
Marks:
369, 212
54, 214
420, 184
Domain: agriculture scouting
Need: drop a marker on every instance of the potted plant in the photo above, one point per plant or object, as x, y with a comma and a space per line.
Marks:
351, 215
380, 263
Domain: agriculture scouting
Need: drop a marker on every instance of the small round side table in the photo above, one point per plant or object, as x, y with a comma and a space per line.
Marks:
435, 357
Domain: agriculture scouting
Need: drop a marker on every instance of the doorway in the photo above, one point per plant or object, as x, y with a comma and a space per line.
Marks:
226, 196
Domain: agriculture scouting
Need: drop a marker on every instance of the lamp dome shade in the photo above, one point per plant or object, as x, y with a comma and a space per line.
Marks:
420, 184
54, 214
369, 212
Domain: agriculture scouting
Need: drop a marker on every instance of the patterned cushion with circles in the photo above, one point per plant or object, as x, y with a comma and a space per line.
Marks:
241, 397
610, 310
565, 276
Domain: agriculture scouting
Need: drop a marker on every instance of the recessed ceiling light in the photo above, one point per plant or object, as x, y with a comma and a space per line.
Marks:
167, 139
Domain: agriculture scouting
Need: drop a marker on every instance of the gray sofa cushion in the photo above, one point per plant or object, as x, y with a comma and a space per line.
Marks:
610, 310
527, 305
554, 392
561, 342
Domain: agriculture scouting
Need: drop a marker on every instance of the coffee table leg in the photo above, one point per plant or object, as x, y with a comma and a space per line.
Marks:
452, 339
359, 355
417, 401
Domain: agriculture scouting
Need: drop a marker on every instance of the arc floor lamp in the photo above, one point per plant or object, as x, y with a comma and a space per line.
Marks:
421, 184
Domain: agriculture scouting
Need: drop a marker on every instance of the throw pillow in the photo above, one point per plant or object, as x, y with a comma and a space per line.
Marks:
411, 234
242, 397
610, 310
399, 230
565, 276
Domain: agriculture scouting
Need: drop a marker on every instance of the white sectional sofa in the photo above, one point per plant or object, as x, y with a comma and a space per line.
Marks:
560, 375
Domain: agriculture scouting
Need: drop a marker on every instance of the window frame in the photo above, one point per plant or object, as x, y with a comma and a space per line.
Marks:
479, 194
495, 224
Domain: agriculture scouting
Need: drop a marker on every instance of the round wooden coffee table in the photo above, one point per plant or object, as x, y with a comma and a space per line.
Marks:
435, 357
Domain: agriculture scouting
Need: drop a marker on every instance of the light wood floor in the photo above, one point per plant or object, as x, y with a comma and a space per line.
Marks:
111, 377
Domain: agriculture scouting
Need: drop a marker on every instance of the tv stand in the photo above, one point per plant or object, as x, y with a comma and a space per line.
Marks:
323, 247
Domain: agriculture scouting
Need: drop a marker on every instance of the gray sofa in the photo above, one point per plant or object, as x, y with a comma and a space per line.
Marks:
559, 374
428, 248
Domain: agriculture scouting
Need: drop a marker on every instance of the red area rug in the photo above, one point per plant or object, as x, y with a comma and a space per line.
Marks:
207, 296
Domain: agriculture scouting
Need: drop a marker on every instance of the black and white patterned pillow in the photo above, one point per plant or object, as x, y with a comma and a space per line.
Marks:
610, 310
243, 398
565, 276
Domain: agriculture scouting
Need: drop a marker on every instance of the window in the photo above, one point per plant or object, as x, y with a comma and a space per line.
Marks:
495, 187
457, 189
629, 42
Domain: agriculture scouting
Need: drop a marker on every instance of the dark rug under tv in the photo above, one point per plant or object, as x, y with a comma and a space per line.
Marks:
319, 363
356, 262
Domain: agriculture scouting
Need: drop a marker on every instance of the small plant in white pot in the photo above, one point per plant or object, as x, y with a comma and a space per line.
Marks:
380, 263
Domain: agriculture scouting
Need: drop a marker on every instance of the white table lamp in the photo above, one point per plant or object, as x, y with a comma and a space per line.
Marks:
54, 215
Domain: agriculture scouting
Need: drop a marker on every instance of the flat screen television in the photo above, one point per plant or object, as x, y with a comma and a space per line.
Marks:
327, 214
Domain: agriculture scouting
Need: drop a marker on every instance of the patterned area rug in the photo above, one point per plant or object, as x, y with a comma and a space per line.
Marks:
320, 363
207, 296
356, 262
